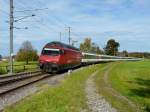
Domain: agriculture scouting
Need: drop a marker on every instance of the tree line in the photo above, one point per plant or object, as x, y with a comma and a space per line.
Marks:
111, 48
28, 53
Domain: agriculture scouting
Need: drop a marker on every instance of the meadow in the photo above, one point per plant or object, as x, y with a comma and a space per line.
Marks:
18, 66
125, 85
128, 79
68, 96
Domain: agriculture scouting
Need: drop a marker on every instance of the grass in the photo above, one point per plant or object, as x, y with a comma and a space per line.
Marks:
130, 79
18, 66
69, 96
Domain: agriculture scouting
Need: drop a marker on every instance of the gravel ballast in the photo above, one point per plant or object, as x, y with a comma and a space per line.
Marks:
18, 94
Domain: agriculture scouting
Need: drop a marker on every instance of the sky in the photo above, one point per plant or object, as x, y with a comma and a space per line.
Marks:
126, 21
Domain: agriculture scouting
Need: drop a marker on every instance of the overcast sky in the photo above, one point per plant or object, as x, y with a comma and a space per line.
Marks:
127, 21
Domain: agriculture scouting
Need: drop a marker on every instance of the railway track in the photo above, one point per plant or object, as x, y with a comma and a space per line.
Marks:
12, 82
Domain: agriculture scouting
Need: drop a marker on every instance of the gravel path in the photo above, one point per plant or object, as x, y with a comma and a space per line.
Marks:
96, 102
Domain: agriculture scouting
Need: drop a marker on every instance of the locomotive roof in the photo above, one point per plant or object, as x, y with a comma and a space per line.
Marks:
62, 45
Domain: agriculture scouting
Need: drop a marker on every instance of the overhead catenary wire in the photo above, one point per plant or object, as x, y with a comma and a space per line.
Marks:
31, 10
60, 23
42, 24
48, 19
11, 38
37, 21
34, 5
45, 27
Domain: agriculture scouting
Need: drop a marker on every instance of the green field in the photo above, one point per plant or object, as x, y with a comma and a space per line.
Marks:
18, 66
126, 85
69, 96
129, 79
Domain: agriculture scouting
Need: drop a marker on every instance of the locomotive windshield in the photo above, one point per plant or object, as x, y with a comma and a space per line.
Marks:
51, 52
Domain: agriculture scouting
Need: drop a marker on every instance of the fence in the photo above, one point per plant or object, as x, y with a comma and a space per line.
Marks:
18, 68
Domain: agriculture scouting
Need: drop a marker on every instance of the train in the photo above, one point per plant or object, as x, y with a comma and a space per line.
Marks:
57, 56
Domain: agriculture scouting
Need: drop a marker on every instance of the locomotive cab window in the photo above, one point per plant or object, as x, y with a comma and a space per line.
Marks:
51, 51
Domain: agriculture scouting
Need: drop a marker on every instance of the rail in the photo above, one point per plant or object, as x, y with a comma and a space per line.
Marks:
12, 82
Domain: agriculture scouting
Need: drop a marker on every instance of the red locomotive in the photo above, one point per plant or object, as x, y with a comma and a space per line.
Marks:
57, 56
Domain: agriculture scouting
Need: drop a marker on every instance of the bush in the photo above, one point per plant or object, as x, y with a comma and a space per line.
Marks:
1, 71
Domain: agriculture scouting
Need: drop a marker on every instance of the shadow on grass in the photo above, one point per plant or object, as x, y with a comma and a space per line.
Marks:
144, 88
142, 91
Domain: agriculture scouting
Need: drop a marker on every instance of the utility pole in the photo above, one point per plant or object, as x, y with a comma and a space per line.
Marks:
60, 36
69, 38
73, 42
11, 22
11, 35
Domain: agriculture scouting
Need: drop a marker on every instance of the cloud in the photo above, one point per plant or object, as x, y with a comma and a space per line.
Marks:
125, 20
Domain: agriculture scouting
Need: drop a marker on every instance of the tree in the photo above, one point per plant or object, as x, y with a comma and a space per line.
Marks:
146, 55
27, 53
95, 49
136, 54
111, 47
125, 53
88, 46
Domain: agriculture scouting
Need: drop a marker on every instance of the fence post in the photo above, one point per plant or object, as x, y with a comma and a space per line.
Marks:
7, 68
24, 67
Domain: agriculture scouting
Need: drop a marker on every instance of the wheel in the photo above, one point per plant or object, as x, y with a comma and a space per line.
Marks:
46, 68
